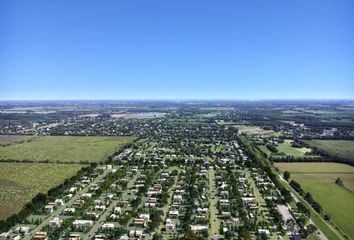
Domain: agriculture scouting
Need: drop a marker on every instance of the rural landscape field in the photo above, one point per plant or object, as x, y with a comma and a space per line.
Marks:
320, 180
62, 148
20, 182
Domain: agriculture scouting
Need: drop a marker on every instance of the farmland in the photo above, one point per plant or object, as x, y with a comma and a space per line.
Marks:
64, 149
319, 180
20, 182
340, 148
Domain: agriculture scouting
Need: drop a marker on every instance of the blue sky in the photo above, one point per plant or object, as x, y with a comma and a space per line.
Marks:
176, 49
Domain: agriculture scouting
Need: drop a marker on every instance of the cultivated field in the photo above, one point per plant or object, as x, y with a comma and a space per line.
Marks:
340, 148
64, 148
20, 182
319, 180
315, 167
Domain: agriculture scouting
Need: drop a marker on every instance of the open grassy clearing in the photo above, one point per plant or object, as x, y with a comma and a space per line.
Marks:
20, 182
64, 148
287, 149
319, 180
256, 130
340, 148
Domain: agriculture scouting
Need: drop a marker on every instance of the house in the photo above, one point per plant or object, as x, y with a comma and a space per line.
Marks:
74, 236
170, 225
117, 210
225, 214
100, 207
92, 215
73, 190
99, 237
199, 228
48, 209
177, 198
55, 222
40, 236
173, 214
80, 224
264, 232
69, 211
145, 216
108, 226
86, 195
59, 202
9, 236
78, 203
22, 230
139, 222
136, 233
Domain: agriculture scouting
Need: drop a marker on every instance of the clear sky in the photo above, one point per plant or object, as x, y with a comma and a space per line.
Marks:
176, 49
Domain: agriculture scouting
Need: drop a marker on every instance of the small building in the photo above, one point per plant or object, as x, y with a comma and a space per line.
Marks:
108, 226
81, 224
40, 236
199, 228
173, 214
55, 222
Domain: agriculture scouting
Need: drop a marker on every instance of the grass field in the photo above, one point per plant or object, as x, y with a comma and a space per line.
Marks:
20, 182
11, 139
315, 167
265, 150
319, 180
341, 148
64, 148
255, 130
291, 151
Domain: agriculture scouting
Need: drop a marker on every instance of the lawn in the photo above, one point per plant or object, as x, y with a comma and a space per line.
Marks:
288, 150
319, 180
341, 148
64, 148
20, 182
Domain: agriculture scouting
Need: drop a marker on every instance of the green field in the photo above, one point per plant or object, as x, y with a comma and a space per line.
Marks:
256, 130
12, 139
288, 150
20, 182
265, 150
340, 148
315, 167
64, 148
319, 180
